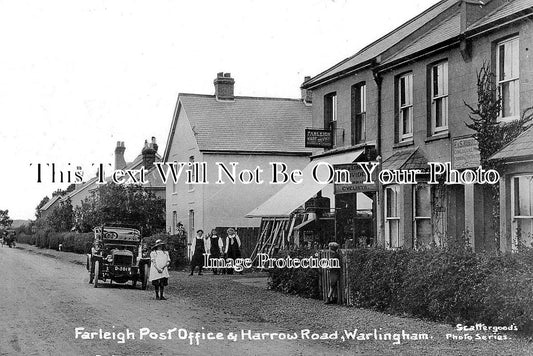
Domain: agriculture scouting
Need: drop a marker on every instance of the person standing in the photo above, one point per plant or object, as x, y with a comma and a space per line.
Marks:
215, 247
334, 275
96, 252
159, 268
233, 247
198, 246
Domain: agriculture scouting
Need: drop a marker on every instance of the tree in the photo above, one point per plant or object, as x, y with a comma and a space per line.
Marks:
5, 221
491, 134
62, 217
39, 207
122, 204
62, 192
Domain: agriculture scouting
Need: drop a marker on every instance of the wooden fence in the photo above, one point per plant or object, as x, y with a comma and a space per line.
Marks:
247, 235
344, 294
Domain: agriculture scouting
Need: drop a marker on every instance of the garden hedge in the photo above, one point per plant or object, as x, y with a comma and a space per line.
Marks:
70, 241
450, 286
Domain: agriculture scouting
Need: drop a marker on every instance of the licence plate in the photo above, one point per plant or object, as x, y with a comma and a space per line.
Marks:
122, 269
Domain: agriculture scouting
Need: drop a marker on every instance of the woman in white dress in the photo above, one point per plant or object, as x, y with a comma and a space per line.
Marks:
159, 268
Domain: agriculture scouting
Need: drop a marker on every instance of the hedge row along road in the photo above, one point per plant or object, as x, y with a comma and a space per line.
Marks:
45, 297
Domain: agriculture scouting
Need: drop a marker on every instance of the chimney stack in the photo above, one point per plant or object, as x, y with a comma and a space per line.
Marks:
224, 85
148, 153
120, 162
307, 94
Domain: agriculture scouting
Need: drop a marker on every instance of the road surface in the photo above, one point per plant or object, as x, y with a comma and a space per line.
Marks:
44, 300
46, 297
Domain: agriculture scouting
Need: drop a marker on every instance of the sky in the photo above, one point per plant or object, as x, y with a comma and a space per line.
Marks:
78, 76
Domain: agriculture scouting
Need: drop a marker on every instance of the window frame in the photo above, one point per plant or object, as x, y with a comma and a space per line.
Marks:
393, 219
515, 218
442, 97
174, 221
501, 82
417, 218
193, 176
408, 93
331, 114
359, 107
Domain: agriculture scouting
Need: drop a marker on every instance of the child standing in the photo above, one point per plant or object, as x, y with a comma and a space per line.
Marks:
159, 269
233, 247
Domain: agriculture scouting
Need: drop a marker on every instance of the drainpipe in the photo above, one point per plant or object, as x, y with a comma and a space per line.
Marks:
380, 218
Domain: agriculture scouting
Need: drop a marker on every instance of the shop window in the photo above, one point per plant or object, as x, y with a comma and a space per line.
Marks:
359, 113
507, 76
330, 115
392, 217
423, 232
405, 107
522, 211
439, 97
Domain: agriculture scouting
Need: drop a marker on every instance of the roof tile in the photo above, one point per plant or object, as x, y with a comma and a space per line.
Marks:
248, 124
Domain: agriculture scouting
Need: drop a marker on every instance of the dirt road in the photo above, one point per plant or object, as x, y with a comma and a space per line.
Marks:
44, 300
45, 297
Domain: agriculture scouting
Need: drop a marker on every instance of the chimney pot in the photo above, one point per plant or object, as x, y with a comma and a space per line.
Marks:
148, 153
307, 94
224, 87
120, 162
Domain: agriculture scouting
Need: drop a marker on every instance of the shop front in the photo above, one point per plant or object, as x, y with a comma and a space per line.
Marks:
315, 211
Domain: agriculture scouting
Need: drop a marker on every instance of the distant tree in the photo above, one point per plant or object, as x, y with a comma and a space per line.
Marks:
62, 217
122, 204
62, 192
39, 207
5, 221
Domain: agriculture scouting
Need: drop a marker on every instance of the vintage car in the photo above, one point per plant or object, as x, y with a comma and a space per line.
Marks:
120, 257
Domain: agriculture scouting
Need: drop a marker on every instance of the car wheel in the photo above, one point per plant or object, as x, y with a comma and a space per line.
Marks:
96, 273
146, 272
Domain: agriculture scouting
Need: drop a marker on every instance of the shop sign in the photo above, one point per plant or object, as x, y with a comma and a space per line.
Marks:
318, 138
357, 178
465, 153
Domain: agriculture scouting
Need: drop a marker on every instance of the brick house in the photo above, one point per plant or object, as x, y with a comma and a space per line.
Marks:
404, 94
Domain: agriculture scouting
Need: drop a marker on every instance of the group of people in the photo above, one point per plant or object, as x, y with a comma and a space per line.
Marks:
216, 247
211, 243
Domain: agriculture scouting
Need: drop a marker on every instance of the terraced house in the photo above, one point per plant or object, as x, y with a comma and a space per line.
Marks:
404, 96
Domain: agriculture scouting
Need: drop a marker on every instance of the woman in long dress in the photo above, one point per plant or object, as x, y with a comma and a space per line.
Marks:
198, 246
159, 269
215, 247
233, 247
